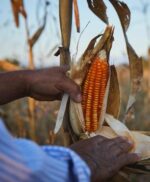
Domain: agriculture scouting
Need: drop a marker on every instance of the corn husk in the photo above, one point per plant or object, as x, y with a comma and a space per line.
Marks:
78, 73
114, 127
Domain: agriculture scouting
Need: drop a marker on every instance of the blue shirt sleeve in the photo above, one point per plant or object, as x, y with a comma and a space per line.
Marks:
22, 160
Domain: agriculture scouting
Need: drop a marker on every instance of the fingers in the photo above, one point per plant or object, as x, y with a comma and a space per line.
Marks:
128, 158
120, 145
70, 87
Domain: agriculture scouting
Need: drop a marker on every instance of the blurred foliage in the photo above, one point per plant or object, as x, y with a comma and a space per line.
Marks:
16, 118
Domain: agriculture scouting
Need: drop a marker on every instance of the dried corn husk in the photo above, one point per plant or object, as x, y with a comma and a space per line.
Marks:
115, 127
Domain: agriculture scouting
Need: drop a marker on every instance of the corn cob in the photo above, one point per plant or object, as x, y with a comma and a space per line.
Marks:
94, 90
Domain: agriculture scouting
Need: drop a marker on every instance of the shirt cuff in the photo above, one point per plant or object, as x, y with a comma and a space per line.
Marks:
78, 166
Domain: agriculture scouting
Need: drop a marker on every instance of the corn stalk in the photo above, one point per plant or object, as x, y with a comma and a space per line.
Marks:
65, 14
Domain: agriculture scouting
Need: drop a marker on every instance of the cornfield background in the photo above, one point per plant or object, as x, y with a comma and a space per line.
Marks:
36, 120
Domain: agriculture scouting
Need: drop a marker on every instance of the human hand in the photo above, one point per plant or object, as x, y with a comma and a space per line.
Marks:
50, 84
105, 157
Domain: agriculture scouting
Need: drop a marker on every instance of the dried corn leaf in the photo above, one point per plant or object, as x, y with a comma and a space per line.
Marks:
109, 43
113, 103
90, 46
79, 69
76, 12
99, 8
105, 42
136, 74
123, 13
18, 8
136, 67
38, 33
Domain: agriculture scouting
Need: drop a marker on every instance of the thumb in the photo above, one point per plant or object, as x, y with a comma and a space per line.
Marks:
70, 87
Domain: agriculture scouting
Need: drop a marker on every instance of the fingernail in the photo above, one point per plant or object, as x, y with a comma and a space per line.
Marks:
79, 98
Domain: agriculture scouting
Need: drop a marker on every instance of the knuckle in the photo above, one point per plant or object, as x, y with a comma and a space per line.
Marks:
120, 139
99, 138
124, 146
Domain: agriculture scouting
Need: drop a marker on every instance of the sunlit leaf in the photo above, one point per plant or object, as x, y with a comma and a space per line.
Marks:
99, 8
18, 8
76, 12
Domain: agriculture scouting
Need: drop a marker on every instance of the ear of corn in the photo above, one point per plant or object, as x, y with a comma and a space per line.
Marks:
88, 116
94, 88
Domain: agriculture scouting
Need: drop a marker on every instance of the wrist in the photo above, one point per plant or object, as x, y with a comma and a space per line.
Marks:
87, 159
28, 79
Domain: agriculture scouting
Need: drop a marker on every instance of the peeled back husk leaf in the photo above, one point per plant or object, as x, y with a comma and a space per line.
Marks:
116, 128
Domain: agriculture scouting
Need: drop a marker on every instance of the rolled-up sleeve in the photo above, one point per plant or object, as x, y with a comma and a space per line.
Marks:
22, 160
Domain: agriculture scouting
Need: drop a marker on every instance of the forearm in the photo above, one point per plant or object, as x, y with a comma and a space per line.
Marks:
13, 85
